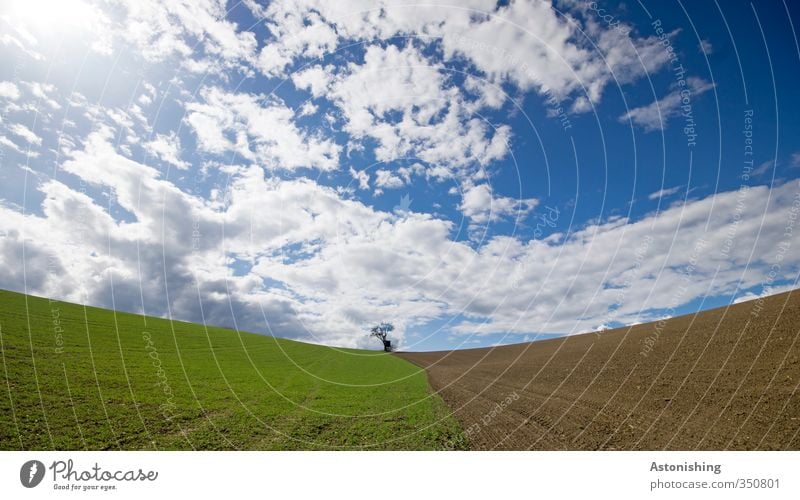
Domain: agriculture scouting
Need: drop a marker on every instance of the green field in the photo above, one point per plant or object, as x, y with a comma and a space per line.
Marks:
76, 377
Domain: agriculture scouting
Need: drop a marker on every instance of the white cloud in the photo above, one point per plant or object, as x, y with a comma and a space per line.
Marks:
259, 129
769, 290
160, 30
315, 263
18, 36
763, 168
308, 108
361, 176
25, 133
314, 79
42, 92
40, 23
167, 148
481, 205
6, 142
529, 44
297, 34
387, 179
432, 122
9, 91
575, 284
664, 193
322, 266
706, 47
580, 105
490, 95
271, 61
655, 115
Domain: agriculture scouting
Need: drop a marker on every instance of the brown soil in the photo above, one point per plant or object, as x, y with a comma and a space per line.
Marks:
721, 379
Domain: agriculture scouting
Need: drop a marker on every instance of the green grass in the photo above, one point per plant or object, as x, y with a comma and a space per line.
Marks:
87, 378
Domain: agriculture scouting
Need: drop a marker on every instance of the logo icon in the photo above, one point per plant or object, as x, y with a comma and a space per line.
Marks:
31, 473
404, 207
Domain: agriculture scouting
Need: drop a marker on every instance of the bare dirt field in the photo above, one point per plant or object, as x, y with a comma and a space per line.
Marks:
721, 379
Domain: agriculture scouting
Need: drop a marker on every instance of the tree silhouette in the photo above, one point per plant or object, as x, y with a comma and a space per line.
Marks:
380, 331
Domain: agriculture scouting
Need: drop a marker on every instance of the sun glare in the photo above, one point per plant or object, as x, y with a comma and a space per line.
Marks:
45, 18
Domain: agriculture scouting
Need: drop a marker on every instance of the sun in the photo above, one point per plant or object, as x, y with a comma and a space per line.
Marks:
48, 18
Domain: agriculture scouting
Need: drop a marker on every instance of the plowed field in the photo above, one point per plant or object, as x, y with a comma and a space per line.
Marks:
720, 379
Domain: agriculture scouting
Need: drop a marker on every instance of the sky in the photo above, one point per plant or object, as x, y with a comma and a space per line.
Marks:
475, 172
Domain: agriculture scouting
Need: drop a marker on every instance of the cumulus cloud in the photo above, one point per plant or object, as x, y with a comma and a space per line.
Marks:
315, 79
93, 256
530, 44
655, 116
432, 123
387, 179
9, 91
631, 271
319, 266
25, 133
43, 92
766, 292
167, 148
265, 249
8, 143
159, 30
361, 176
481, 205
259, 129
297, 33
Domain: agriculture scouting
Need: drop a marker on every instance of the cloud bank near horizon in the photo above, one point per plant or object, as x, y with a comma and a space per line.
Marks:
242, 179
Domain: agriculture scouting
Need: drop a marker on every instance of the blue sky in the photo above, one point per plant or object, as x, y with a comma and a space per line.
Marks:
476, 172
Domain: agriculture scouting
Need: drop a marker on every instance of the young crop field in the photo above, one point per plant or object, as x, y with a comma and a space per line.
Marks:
76, 377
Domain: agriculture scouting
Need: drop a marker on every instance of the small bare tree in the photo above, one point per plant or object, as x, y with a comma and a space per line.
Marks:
380, 331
